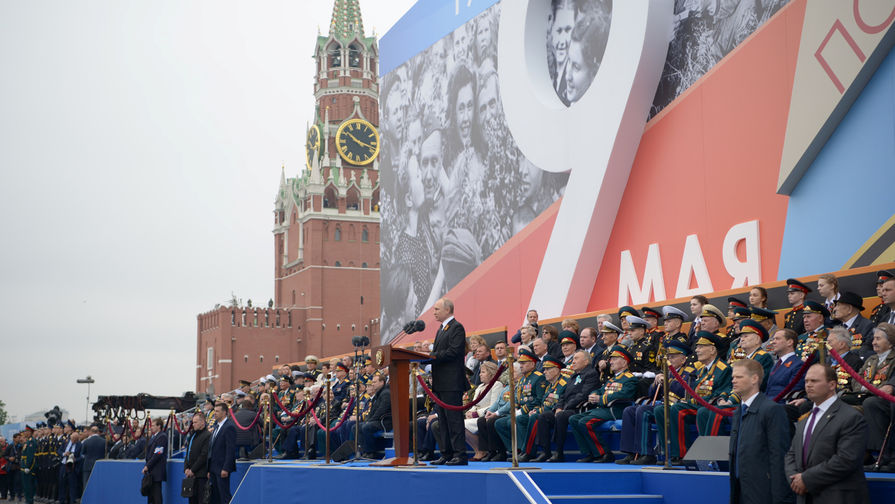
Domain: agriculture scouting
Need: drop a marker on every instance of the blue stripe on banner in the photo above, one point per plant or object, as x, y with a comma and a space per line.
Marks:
424, 24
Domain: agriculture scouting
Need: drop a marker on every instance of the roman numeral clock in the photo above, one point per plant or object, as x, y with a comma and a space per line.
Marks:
357, 141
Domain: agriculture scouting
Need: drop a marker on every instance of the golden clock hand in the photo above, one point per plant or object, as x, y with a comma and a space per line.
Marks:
358, 141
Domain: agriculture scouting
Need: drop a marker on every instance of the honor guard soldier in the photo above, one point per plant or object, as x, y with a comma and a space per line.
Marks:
796, 292
654, 331
28, 464
611, 334
529, 396
607, 403
556, 384
674, 320
642, 348
624, 312
311, 362
341, 383
713, 381
637, 418
815, 335
733, 330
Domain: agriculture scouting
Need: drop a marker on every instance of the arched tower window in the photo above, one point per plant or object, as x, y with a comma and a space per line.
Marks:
337, 234
364, 235
354, 55
329, 198
334, 55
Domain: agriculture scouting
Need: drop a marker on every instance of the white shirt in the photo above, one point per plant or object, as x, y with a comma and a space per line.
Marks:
822, 407
748, 402
446, 322
786, 356
851, 321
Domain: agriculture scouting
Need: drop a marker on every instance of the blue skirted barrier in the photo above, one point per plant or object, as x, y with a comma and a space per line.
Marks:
285, 482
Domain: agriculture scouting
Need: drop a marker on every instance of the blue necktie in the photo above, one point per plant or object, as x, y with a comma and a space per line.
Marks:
740, 437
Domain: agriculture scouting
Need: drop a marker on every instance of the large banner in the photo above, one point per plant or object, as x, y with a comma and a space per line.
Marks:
516, 170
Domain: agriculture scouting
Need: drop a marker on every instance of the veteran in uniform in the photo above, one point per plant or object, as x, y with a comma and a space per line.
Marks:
637, 418
607, 403
611, 334
674, 320
815, 335
556, 384
529, 396
713, 381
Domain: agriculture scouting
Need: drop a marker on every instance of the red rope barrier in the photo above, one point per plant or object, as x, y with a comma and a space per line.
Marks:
176, 423
341, 421
797, 377
301, 414
236, 422
694, 395
295, 415
466, 406
860, 379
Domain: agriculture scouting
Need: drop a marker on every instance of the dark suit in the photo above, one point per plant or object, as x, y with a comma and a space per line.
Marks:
449, 382
758, 443
93, 448
834, 472
864, 327
221, 457
781, 374
196, 460
378, 420
156, 464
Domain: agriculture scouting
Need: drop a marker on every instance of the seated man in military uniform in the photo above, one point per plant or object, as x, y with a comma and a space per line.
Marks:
530, 395
607, 403
815, 336
713, 381
556, 383
637, 418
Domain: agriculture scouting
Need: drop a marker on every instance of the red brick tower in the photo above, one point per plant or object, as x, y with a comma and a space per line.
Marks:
326, 228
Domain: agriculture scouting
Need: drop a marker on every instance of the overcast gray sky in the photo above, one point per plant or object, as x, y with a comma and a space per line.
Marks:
140, 149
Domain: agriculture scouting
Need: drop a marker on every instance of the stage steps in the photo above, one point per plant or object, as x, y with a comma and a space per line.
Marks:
606, 499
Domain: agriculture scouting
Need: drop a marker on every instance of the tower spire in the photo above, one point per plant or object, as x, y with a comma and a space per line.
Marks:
346, 20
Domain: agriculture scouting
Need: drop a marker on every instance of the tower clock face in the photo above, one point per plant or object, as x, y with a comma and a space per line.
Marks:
312, 146
357, 141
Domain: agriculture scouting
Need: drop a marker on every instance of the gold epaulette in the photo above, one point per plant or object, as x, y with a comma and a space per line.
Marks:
628, 374
722, 365
538, 373
697, 366
562, 381
760, 352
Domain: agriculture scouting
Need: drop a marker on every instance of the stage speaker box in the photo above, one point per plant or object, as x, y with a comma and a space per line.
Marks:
708, 453
344, 452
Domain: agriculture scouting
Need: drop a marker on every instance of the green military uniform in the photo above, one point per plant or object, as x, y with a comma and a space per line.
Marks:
28, 464
530, 392
713, 382
552, 394
615, 395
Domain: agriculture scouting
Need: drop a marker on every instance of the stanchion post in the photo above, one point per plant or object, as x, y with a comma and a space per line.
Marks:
268, 421
414, 372
172, 419
665, 388
326, 425
513, 441
307, 421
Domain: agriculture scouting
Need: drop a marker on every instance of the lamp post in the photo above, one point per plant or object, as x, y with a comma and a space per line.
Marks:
88, 381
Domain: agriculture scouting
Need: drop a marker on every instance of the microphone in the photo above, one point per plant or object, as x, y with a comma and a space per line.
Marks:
414, 326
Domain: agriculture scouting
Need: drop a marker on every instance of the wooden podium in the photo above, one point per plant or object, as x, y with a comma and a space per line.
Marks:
398, 361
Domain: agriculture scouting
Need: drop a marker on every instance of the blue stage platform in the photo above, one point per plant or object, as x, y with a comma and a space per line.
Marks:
288, 482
